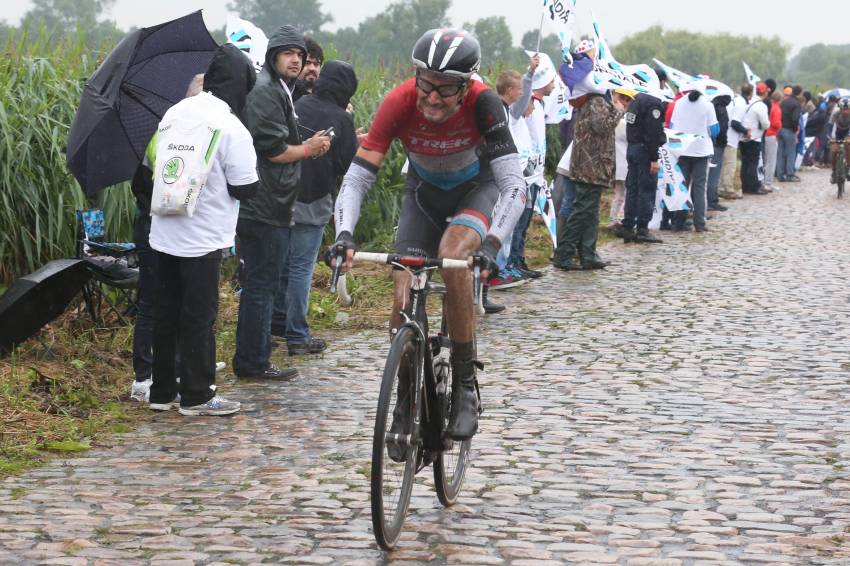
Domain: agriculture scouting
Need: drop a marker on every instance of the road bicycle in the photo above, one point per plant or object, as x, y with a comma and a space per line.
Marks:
417, 376
839, 170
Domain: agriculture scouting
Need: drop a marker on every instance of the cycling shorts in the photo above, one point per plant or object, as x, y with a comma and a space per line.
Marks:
426, 211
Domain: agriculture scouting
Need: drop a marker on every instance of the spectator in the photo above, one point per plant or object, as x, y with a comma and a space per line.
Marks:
715, 171
189, 248
542, 84
592, 169
771, 144
791, 111
264, 221
694, 114
317, 187
621, 168
310, 71
755, 121
734, 134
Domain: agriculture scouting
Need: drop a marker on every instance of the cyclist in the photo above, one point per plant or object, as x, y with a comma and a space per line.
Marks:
464, 191
839, 126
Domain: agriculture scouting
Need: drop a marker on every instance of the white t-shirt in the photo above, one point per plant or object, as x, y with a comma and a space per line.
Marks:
695, 118
621, 144
213, 225
537, 132
756, 119
736, 110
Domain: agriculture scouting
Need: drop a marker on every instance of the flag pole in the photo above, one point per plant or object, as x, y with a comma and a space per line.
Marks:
539, 32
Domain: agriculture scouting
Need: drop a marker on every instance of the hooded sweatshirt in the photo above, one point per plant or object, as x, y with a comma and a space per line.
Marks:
270, 117
323, 109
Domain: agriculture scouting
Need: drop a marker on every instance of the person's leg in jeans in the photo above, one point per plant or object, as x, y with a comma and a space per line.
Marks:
771, 146
262, 247
143, 329
517, 256
566, 208
714, 174
785, 147
304, 243
166, 320
699, 181
199, 278
615, 215
631, 205
279, 311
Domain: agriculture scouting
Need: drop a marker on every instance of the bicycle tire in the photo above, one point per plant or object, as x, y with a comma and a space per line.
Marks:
389, 501
451, 464
840, 172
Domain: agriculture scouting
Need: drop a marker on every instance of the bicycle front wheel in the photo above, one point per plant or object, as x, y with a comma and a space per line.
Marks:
450, 467
395, 449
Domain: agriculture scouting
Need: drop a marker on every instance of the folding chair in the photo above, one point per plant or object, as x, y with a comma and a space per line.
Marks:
113, 265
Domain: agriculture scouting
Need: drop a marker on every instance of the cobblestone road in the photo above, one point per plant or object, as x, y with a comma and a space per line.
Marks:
690, 405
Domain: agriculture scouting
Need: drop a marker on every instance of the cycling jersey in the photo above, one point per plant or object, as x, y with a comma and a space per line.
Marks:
447, 156
840, 128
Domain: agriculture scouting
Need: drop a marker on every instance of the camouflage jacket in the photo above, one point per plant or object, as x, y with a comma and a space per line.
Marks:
592, 161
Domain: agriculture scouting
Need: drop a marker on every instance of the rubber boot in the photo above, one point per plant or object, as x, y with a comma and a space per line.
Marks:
401, 411
489, 307
463, 415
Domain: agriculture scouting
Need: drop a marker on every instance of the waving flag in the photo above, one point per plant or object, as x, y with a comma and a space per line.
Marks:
672, 194
608, 74
248, 38
674, 76
561, 14
752, 78
546, 208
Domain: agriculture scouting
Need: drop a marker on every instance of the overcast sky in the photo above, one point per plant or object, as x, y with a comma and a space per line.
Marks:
809, 23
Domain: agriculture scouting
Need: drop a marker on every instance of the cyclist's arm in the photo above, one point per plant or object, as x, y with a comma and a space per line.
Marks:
358, 180
501, 152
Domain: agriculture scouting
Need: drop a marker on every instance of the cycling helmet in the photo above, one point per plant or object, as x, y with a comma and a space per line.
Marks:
451, 52
844, 103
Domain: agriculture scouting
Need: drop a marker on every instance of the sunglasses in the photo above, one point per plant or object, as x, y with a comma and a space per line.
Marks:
443, 90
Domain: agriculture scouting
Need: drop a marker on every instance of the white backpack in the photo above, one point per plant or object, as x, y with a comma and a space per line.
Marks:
185, 151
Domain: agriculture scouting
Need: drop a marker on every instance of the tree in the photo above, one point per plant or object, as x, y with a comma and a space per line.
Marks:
66, 15
305, 15
821, 67
549, 44
718, 55
494, 35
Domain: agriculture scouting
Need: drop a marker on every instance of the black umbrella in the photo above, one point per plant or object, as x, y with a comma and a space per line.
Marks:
35, 299
122, 103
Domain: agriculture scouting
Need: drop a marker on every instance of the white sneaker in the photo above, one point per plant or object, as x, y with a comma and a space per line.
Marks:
217, 406
165, 406
220, 366
141, 390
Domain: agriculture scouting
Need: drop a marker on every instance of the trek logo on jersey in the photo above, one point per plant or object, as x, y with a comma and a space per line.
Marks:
442, 145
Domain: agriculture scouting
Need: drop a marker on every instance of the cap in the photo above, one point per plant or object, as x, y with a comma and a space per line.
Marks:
626, 92
584, 45
761, 88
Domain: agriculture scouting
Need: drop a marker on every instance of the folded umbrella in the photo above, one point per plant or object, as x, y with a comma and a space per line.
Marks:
122, 103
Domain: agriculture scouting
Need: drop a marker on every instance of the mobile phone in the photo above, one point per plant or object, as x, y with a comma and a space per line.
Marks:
330, 132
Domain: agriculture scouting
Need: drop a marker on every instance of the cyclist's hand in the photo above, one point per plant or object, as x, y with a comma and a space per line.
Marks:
653, 168
485, 257
344, 246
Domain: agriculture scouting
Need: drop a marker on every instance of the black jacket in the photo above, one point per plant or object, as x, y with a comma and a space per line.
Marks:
790, 113
645, 123
321, 110
269, 116
720, 103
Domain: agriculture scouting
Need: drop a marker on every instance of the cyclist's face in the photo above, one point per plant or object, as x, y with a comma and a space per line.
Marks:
435, 107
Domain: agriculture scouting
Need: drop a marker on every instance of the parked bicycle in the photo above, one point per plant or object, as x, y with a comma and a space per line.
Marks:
414, 401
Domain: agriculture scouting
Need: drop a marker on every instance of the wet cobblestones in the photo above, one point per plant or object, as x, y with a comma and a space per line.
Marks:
690, 405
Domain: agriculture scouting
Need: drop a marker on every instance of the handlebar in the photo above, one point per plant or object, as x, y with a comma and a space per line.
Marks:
413, 262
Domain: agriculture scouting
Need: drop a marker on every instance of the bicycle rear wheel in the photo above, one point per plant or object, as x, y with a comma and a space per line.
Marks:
395, 452
450, 467
840, 172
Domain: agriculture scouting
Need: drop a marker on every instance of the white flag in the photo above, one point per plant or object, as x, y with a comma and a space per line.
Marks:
562, 15
672, 193
752, 78
248, 38
556, 106
674, 76
608, 74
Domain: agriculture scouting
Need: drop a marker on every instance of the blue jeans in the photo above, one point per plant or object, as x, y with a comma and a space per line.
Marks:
568, 188
641, 186
517, 256
261, 246
695, 171
289, 319
785, 163
714, 176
